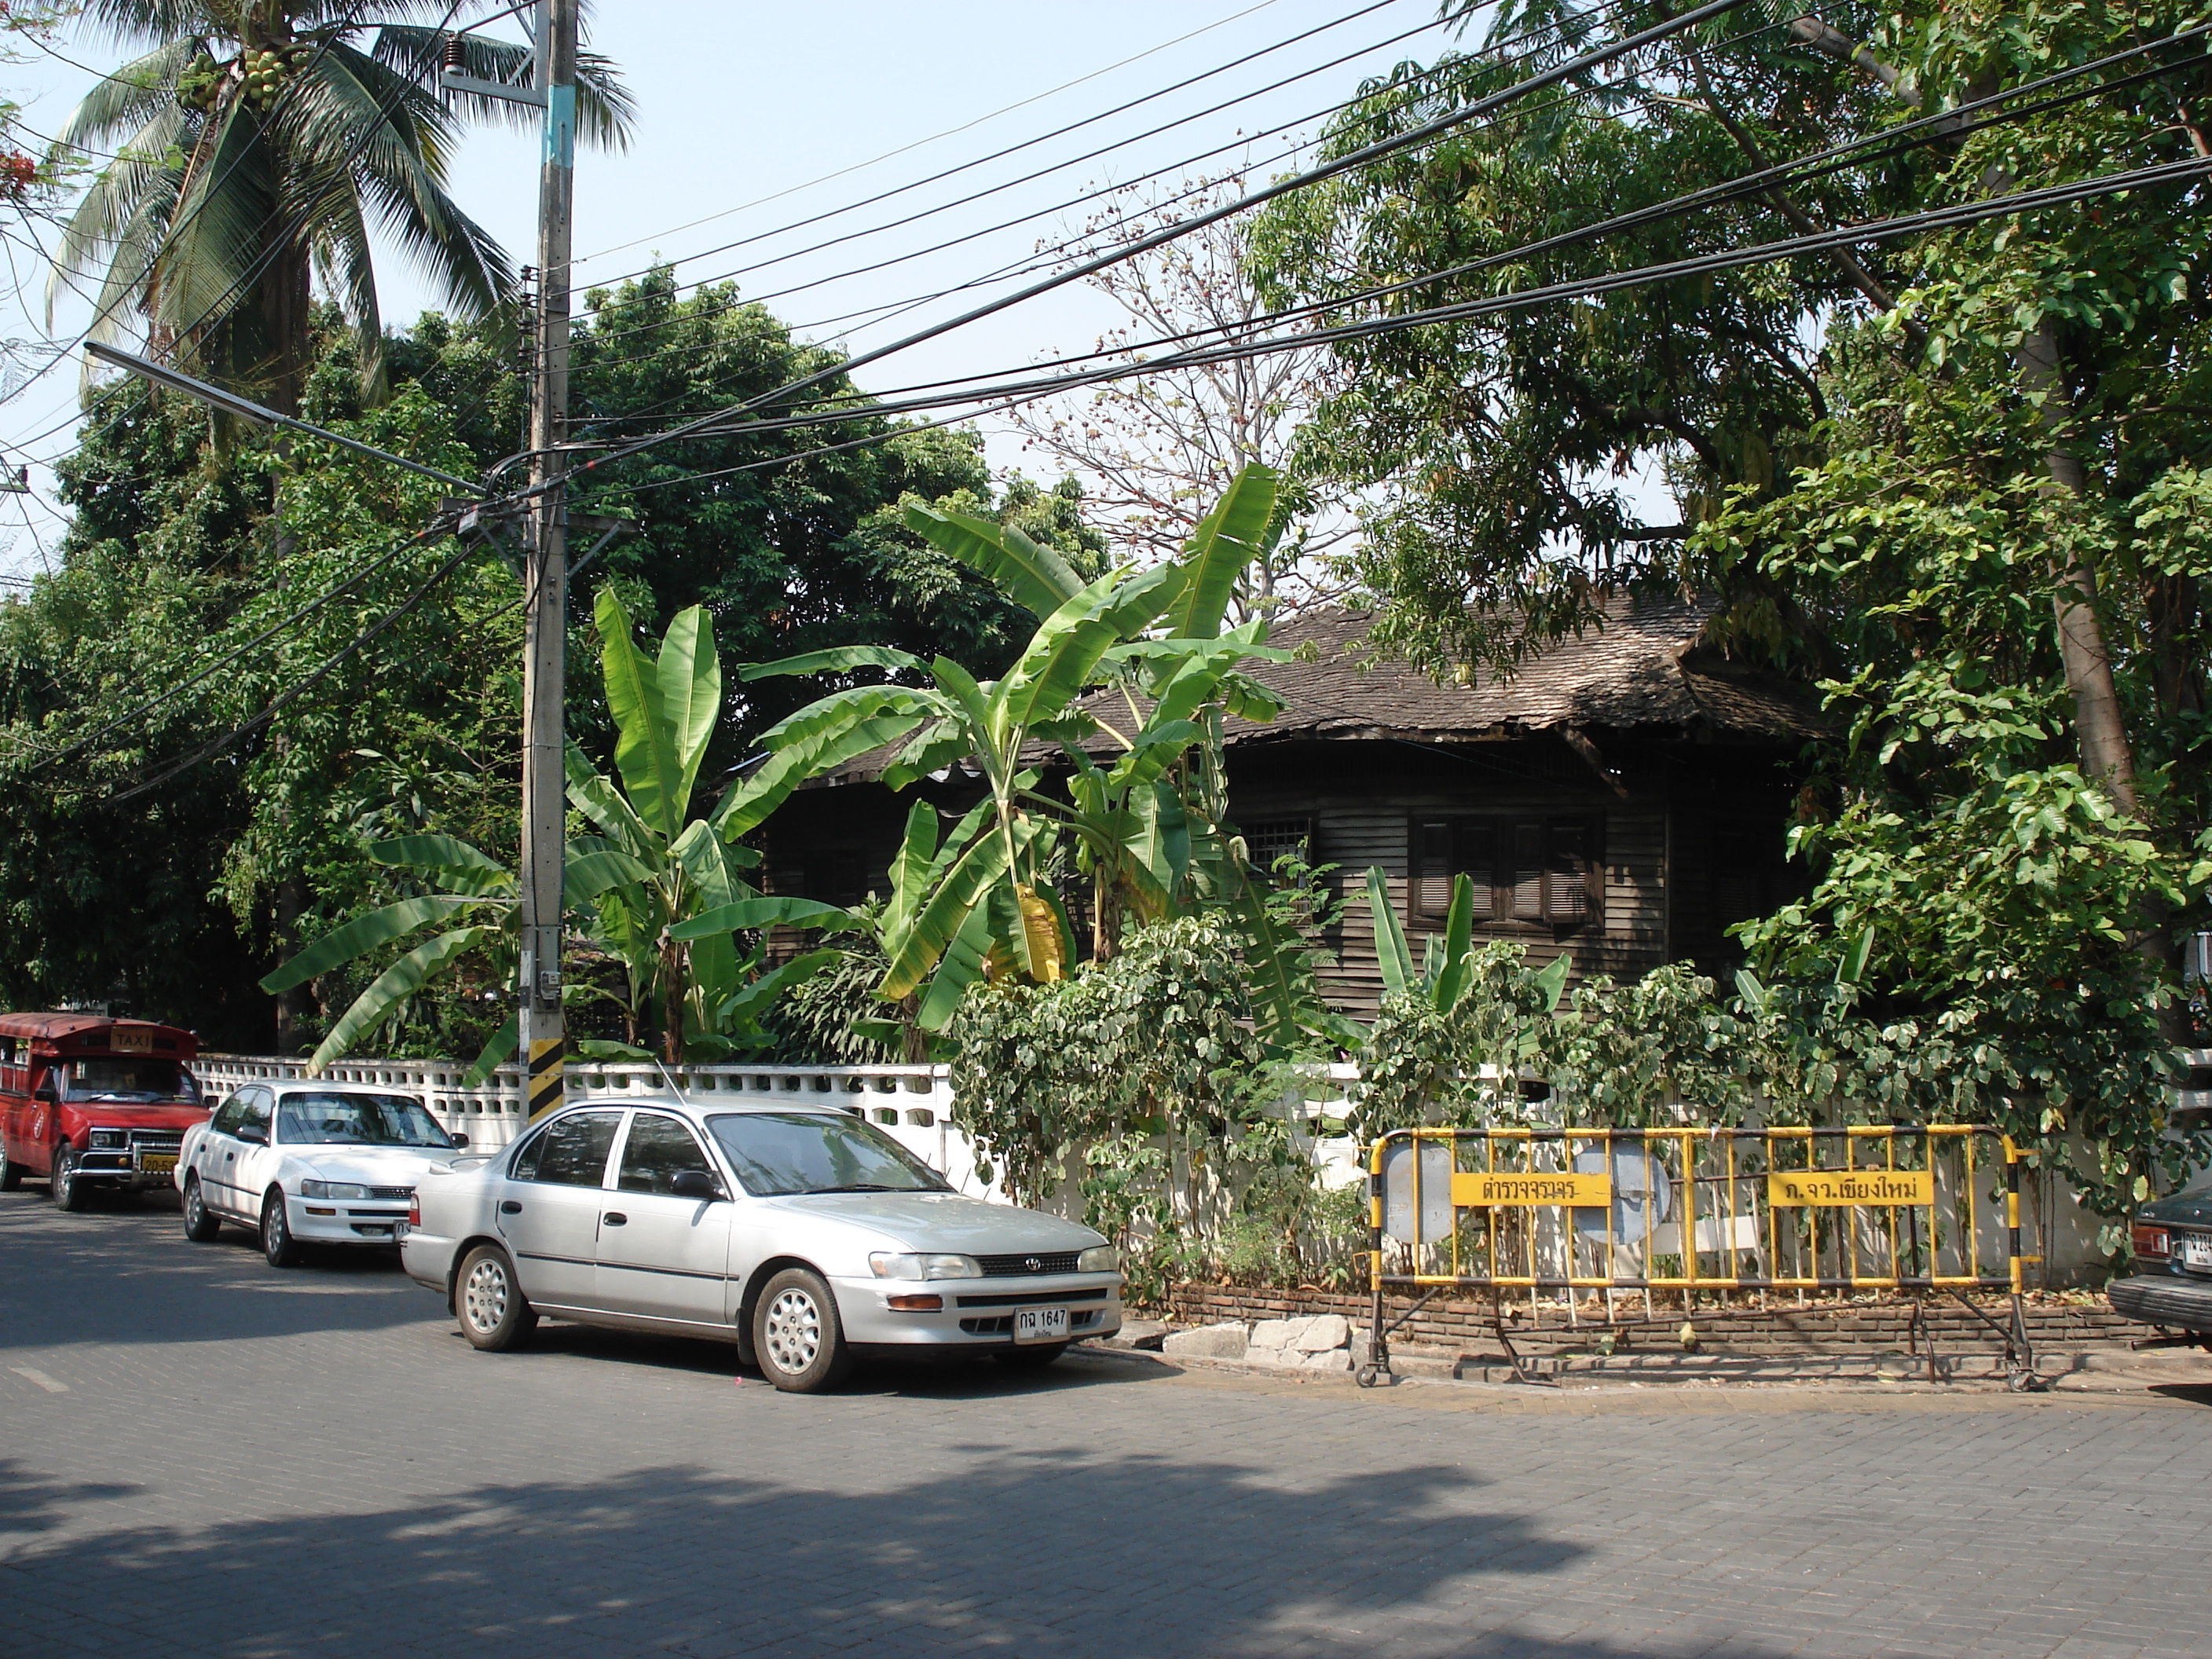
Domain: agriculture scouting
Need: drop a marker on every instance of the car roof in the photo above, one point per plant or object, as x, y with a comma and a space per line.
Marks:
701, 1109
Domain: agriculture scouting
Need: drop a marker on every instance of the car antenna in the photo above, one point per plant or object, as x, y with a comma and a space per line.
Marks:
682, 1099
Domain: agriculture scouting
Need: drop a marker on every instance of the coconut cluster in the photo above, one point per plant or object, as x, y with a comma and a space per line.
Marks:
259, 72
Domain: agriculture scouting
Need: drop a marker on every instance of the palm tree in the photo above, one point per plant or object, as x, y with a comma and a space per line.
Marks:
254, 145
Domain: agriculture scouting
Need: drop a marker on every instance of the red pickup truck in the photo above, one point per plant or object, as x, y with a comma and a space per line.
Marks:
86, 1101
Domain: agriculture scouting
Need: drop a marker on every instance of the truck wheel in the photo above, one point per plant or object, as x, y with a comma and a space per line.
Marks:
11, 1173
277, 1241
67, 1186
201, 1224
494, 1314
796, 1334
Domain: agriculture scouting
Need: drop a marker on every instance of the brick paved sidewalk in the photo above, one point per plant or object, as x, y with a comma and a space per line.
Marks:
199, 1455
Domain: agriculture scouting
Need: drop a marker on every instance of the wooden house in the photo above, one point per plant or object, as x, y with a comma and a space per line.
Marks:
1623, 797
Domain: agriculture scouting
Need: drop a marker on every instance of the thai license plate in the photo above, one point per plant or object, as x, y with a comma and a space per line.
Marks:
2195, 1252
1040, 1325
156, 1163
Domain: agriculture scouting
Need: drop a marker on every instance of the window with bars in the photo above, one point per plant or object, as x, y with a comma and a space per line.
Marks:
1541, 871
1269, 839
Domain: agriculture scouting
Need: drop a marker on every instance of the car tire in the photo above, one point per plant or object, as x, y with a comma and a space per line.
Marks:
489, 1302
277, 1241
201, 1224
11, 1173
67, 1186
798, 1341
1034, 1358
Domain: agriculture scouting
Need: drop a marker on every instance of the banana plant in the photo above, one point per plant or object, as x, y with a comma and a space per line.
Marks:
977, 902
662, 892
1447, 965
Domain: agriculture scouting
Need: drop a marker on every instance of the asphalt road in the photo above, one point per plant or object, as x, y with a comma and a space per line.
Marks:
199, 1455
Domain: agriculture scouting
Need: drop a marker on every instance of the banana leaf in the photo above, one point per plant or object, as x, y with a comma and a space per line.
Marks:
597, 799
748, 804
645, 752
1450, 981
840, 708
942, 915
584, 876
1066, 651
689, 674
747, 1005
391, 989
771, 910
1390, 951
838, 659
933, 749
439, 853
499, 1049
1035, 577
365, 933
961, 966
1227, 539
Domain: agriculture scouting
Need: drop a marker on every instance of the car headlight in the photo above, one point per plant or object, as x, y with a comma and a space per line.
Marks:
1099, 1259
111, 1137
332, 1189
886, 1264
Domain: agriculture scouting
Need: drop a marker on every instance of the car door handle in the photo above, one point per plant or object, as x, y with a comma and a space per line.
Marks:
616, 1219
508, 1207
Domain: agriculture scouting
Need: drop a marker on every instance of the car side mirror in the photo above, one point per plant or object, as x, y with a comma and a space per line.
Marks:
253, 1135
48, 1096
458, 1138
695, 1183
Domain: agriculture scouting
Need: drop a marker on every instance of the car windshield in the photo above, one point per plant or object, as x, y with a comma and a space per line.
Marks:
351, 1120
776, 1153
122, 1078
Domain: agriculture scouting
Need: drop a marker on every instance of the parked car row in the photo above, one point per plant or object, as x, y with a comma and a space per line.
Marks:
806, 1235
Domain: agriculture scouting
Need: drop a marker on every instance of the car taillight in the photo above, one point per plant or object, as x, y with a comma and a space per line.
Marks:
414, 1211
2151, 1241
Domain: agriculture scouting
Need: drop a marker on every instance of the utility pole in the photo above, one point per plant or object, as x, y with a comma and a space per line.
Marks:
545, 803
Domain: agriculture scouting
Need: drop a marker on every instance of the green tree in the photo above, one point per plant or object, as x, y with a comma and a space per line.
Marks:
253, 148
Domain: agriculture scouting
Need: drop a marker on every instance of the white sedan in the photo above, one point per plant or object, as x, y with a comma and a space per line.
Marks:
808, 1237
308, 1164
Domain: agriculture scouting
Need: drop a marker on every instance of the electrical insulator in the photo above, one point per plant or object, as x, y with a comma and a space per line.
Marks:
454, 59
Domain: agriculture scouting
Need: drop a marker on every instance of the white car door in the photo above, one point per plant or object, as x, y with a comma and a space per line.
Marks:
255, 1170
221, 1173
661, 1256
549, 1207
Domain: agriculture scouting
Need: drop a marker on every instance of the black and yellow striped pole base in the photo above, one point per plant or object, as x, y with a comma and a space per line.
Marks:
542, 1088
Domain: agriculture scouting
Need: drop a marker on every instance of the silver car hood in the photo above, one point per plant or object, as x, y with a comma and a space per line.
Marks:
943, 1221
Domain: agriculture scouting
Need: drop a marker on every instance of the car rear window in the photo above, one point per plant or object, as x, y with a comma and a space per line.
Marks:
775, 1153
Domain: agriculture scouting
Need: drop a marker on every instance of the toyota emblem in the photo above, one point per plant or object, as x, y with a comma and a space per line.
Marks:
1033, 1265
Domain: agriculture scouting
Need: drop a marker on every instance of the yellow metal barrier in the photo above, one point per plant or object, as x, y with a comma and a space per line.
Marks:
1690, 1210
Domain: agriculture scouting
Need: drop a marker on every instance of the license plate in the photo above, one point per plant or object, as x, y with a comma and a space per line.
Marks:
1040, 1325
398, 1229
156, 1163
2196, 1252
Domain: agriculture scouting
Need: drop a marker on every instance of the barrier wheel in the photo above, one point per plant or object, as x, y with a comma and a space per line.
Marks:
1365, 1377
2020, 1380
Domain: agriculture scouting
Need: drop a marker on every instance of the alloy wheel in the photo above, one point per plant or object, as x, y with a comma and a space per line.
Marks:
794, 1330
484, 1297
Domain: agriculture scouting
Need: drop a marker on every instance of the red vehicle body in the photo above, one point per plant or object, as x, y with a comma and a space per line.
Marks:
86, 1101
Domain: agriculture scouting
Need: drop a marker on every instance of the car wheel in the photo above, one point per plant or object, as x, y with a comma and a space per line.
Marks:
797, 1335
201, 1224
495, 1315
1034, 1358
11, 1173
67, 1186
277, 1241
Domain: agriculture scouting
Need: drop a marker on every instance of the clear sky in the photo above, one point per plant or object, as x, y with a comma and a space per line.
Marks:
744, 107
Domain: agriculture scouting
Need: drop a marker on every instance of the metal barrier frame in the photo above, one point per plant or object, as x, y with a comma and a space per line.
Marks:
1525, 1181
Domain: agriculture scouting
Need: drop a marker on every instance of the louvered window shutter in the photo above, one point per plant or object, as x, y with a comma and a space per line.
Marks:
1430, 882
1528, 872
1568, 899
1474, 845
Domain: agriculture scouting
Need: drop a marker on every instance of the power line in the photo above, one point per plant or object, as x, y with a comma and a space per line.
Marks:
918, 144
1356, 159
1057, 166
1873, 147
1581, 288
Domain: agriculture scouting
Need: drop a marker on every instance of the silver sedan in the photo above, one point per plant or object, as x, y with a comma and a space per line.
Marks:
806, 1237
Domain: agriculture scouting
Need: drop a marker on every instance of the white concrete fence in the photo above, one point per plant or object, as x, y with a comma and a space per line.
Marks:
913, 1104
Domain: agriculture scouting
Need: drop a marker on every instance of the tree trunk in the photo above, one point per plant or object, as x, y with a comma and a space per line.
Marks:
2106, 755
674, 960
284, 294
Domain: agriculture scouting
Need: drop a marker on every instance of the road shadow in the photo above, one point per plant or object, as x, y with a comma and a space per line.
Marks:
122, 1272
1055, 1552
